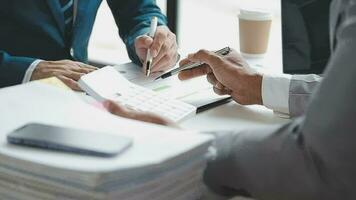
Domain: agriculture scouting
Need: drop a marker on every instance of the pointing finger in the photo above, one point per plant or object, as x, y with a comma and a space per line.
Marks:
195, 72
83, 65
69, 82
207, 57
184, 62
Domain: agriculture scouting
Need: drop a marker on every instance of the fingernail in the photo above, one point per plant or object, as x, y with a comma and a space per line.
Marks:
107, 104
148, 42
218, 86
154, 53
180, 77
190, 57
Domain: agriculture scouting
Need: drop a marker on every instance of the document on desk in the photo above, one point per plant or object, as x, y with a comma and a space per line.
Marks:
135, 174
197, 92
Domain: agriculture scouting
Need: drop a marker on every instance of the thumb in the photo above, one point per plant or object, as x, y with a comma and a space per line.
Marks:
143, 42
115, 109
184, 62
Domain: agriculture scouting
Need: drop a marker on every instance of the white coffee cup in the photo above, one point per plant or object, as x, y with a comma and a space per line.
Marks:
255, 26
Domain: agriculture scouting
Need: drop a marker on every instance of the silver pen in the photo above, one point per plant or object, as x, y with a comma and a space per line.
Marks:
149, 58
222, 52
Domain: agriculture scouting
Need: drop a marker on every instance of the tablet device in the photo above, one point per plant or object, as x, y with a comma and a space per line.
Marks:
69, 140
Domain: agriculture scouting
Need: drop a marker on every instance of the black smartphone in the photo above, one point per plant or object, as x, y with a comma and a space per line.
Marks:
69, 140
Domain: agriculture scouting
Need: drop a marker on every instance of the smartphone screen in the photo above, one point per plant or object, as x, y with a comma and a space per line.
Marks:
69, 140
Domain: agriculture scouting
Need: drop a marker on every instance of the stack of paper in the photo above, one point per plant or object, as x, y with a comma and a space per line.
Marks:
163, 163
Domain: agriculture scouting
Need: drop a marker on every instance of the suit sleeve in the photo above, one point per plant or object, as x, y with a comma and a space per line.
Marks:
133, 18
13, 68
288, 95
312, 157
301, 89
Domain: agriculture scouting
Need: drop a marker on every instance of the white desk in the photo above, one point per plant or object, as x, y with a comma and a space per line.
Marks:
228, 116
232, 116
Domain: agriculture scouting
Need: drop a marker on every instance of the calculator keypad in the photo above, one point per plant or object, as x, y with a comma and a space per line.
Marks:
142, 99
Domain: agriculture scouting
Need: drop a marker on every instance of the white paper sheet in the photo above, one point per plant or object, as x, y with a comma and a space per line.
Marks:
35, 102
191, 91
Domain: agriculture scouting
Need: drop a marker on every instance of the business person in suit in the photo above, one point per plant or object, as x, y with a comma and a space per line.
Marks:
43, 38
311, 157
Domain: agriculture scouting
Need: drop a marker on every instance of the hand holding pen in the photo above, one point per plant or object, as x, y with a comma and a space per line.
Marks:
149, 57
229, 75
191, 65
163, 48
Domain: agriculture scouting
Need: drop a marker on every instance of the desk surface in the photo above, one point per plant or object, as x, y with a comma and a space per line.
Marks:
232, 116
229, 116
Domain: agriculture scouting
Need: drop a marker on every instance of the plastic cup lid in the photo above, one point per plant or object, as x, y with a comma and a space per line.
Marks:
255, 14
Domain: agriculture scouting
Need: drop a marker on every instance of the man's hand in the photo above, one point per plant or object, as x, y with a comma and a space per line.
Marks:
66, 70
230, 75
140, 116
163, 49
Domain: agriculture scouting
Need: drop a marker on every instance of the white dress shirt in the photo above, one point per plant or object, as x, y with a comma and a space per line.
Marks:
29, 71
275, 93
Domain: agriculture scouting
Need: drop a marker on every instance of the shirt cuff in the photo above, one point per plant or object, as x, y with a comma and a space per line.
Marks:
30, 70
275, 92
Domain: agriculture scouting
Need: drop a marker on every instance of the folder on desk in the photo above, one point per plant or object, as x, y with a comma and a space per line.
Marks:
54, 81
163, 163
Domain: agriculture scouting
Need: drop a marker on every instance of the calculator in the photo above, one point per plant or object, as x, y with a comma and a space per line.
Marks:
108, 84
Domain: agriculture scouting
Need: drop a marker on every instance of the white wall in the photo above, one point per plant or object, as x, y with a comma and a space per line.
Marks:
209, 24
212, 24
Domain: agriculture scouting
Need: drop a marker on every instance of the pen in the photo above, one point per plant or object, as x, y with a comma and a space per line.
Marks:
222, 52
152, 33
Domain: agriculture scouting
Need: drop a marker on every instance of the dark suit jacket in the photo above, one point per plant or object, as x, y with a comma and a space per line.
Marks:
34, 29
306, 45
311, 157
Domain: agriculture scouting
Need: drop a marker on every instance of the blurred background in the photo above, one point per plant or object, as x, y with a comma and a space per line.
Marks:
209, 24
